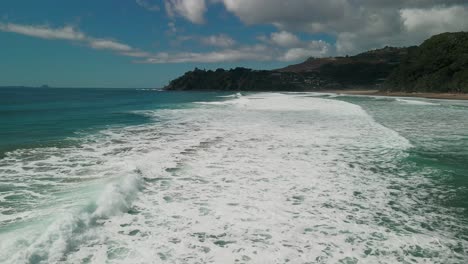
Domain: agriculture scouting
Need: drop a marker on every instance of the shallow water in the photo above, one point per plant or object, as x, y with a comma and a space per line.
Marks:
255, 178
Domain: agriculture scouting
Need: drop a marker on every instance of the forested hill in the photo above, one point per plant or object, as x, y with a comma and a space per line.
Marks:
238, 79
440, 64
367, 69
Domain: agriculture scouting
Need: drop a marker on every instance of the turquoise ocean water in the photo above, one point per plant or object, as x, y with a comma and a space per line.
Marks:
143, 176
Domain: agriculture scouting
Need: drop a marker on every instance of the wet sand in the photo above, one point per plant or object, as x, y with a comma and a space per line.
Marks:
453, 96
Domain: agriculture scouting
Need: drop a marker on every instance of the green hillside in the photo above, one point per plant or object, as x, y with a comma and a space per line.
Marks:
440, 64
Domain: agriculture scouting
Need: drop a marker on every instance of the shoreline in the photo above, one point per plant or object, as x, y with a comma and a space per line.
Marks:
448, 96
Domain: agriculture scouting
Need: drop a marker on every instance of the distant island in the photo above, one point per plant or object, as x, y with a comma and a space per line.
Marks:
45, 86
439, 65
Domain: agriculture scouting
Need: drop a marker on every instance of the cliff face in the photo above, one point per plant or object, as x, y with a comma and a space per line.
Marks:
440, 64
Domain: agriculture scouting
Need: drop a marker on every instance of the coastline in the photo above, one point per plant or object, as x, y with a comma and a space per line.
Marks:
448, 96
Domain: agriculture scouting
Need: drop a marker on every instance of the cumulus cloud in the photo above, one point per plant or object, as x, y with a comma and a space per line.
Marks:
192, 10
247, 53
221, 40
227, 53
258, 52
315, 48
435, 20
318, 15
282, 46
402, 27
357, 25
210, 41
290, 48
147, 5
280, 11
284, 39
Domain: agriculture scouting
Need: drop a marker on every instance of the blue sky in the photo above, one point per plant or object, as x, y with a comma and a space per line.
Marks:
146, 43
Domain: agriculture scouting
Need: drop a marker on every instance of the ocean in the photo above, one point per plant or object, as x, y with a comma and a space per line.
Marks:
145, 176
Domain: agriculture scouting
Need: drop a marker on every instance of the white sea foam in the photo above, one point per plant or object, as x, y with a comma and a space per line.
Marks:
236, 95
239, 101
274, 179
73, 220
415, 102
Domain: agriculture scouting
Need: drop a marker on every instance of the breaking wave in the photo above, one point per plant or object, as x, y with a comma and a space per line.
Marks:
265, 178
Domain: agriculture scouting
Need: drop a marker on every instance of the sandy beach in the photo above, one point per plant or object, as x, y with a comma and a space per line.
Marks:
452, 96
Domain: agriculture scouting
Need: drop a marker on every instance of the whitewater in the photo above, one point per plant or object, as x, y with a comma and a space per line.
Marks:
255, 178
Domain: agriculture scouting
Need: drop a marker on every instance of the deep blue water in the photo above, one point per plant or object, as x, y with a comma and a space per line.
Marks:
38, 117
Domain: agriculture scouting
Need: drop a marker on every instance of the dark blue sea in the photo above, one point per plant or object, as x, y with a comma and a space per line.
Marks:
35, 117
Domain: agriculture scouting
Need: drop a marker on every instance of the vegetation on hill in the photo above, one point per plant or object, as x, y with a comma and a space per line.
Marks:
238, 79
440, 64
367, 69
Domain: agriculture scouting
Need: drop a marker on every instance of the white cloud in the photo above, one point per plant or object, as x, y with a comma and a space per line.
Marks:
45, 32
435, 20
108, 45
221, 40
357, 24
136, 54
247, 53
322, 16
402, 27
281, 46
284, 39
228, 52
316, 48
192, 10
66, 33
280, 11
147, 5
